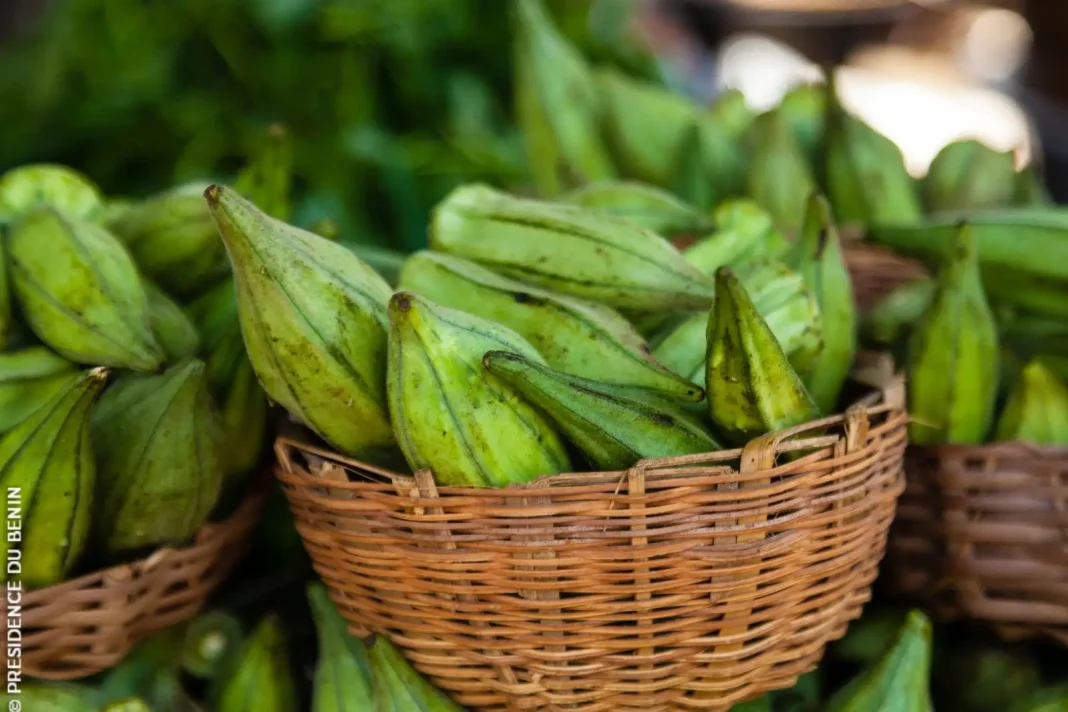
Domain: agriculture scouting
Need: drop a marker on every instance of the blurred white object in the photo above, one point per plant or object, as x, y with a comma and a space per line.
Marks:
921, 118
920, 100
763, 69
993, 44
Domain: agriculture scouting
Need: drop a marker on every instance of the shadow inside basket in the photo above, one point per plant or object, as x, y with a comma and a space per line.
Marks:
716, 576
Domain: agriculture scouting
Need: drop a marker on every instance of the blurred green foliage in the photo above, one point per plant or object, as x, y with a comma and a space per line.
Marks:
390, 102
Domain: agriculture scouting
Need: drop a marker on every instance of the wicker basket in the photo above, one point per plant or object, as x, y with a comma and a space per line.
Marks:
982, 533
83, 626
686, 582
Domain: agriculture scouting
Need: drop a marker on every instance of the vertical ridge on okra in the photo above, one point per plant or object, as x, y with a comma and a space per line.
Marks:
49, 457
30, 186
891, 319
804, 110
615, 426
1030, 190
556, 104
80, 291
1030, 242
646, 205
781, 298
313, 317
174, 331
172, 237
750, 385
342, 676
567, 249
1037, 408
398, 687
648, 126
864, 171
745, 235
899, 681
953, 355
231, 378
780, 178
731, 110
468, 428
159, 450
29, 378
968, 175
261, 672
818, 257
7, 302
645, 125
581, 338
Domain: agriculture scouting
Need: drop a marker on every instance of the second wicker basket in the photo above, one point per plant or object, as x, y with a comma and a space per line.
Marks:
982, 532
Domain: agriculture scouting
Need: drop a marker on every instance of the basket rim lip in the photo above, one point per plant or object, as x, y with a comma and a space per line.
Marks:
246, 513
875, 370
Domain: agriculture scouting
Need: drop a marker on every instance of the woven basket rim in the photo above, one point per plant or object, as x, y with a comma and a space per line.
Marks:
876, 371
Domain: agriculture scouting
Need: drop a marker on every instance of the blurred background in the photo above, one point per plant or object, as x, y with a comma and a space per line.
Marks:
393, 102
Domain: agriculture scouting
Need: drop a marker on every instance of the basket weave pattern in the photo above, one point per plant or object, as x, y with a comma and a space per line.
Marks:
983, 531
686, 582
84, 626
